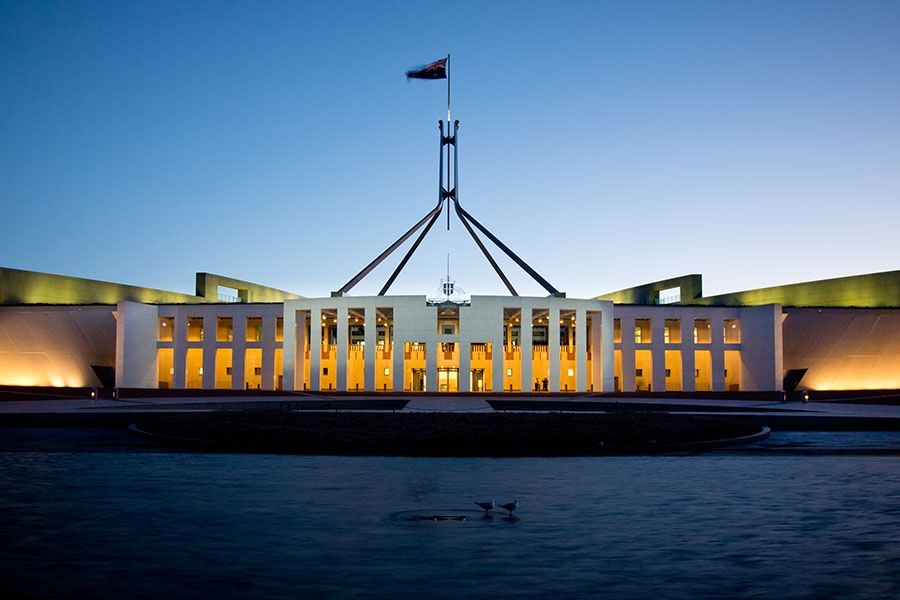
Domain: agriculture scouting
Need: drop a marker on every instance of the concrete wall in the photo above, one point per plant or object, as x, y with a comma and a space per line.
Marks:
864, 291
56, 345
691, 290
136, 331
29, 287
761, 343
208, 284
843, 348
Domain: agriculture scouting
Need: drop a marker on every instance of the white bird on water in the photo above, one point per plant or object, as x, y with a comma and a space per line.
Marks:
487, 506
510, 506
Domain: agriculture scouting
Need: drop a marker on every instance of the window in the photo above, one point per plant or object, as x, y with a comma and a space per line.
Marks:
447, 320
642, 331
702, 331
672, 331
670, 295
195, 329
732, 331
224, 326
166, 329
254, 329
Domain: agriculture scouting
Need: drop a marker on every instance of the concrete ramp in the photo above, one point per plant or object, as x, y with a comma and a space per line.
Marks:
447, 404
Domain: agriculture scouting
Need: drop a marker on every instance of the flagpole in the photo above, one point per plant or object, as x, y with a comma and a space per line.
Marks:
449, 134
448, 89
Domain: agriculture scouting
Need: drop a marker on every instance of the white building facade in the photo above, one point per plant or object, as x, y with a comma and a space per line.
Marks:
485, 344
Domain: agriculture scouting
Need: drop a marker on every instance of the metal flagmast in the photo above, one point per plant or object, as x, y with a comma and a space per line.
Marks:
448, 87
447, 193
448, 133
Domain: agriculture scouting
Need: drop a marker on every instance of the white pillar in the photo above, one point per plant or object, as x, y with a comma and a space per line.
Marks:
342, 346
580, 350
553, 347
371, 326
315, 349
526, 338
608, 349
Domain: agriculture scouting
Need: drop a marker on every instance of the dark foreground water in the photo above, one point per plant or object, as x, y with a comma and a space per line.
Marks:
804, 516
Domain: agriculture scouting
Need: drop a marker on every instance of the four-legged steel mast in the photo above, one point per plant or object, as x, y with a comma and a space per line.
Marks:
447, 194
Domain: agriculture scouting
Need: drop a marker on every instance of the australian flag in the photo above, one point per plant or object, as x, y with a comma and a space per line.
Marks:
436, 70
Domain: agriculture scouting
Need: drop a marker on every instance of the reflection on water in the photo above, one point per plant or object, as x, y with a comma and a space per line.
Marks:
123, 520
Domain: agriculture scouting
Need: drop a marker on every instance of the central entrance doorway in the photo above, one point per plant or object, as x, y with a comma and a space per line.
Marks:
448, 379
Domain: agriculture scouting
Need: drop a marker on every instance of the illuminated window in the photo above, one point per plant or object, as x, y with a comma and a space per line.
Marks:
195, 329
224, 329
642, 331
672, 331
732, 331
254, 329
166, 329
702, 331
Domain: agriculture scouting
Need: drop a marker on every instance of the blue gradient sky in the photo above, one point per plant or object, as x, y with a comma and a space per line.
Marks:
609, 143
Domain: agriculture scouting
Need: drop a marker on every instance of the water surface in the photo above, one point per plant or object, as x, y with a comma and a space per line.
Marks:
96, 514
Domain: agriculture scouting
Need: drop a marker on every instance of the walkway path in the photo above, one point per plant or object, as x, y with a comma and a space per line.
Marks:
790, 415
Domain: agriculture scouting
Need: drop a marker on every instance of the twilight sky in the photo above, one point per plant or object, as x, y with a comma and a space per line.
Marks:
609, 144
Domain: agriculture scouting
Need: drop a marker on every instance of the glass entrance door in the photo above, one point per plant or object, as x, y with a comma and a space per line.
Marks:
418, 380
448, 379
476, 380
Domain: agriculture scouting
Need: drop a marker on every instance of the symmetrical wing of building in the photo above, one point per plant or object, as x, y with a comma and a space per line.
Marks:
665, 336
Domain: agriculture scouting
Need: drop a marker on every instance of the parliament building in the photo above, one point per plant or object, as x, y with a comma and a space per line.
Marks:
836, 334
